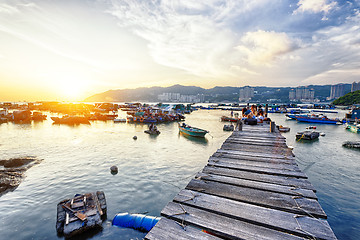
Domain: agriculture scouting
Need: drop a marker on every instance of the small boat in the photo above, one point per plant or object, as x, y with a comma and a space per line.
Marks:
152, 132
311, 127
351, 144
192, 131
228, 127
318, 119
353, 128
284, 129
70, 120
307, 135
81, 213
118, 120
229, 119
38, 116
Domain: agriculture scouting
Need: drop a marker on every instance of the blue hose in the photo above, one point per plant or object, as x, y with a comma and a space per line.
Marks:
137, 221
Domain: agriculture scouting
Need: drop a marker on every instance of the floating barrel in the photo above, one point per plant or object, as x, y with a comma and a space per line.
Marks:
137, 221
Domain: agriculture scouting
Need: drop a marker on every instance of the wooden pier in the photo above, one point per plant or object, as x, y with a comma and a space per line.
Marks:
251, 188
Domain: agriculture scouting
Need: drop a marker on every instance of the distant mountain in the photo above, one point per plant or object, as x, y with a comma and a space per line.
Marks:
216, 94
348, 99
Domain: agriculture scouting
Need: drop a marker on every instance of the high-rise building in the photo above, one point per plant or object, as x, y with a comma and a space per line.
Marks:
302, 94
246, 93
337, 91
355, 86
292, 94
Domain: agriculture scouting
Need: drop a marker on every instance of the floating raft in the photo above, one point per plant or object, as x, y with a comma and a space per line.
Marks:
81, 213
251, 188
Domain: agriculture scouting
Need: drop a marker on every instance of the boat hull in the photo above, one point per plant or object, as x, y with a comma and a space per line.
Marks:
314, 120
194, 132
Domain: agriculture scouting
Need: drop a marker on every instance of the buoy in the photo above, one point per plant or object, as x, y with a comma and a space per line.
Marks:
322, 134
134, 137
139, 222
114, 170
291, 147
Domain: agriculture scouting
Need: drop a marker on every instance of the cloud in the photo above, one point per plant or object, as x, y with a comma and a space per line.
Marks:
261, 47
315, 6
8, 9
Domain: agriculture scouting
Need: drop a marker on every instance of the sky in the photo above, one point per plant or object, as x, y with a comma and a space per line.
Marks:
71, 49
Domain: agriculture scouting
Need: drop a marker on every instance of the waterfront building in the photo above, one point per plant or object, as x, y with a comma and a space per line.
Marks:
246, 93
292, 94
177, 97
355, 86
337, 91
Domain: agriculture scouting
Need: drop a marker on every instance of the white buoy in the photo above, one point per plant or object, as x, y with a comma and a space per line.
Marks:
322, 134
291, 147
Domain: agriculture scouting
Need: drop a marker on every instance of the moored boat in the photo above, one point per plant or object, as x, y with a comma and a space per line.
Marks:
353, 128
307, 135
192, 131
284, 129
70, 120
318, 119
229, 119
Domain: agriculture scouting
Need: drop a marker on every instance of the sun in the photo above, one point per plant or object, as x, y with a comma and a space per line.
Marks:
71, 88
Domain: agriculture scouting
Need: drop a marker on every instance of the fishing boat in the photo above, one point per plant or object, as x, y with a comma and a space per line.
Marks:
353, 128
229, 119
294, 116
228, 127
318, 119
307, 135
192, 131
70, 120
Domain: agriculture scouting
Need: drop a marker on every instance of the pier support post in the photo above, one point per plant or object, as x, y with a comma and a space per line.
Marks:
272, 126
238, 125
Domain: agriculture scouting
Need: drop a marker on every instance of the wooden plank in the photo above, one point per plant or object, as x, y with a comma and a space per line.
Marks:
280, 180
257, 185
250, 148
298, 205
221, 226
257, 154
167, 229
264, 164
263, 170
253, 158
256, 142
303, 226
258, 134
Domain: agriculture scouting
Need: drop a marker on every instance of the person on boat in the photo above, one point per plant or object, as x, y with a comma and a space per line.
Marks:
151, 127
232, 113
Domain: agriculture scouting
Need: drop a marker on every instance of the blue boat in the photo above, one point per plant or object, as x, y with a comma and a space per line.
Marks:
192, 131
294, 116
318, 119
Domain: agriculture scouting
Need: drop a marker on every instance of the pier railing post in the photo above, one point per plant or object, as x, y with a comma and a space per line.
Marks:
238, 125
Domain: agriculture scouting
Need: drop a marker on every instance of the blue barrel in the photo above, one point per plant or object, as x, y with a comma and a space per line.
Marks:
137, 221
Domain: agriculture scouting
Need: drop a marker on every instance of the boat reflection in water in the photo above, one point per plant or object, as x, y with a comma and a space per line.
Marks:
198, 140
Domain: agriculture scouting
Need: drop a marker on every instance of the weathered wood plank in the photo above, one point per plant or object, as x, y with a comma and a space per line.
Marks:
258, 134
224, 227
257, 185
253, 158
251, 148
267, 164
255, 169
303, 226
257, 142
280, 180
255, 154
167, 229
298, 205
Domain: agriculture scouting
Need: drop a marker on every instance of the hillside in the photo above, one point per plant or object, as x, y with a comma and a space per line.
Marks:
216, 94
348, 99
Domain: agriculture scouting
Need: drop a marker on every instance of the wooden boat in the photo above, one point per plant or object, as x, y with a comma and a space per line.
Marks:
81, 213
192, 131
284, 129
118, 120
70, 120
228, 119
307, 135
352, 144
152, 132
353, 128
228, 127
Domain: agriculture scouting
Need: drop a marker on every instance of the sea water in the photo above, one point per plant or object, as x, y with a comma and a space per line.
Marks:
152, 170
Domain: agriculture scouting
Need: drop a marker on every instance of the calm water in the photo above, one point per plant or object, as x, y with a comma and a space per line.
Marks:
152, 170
